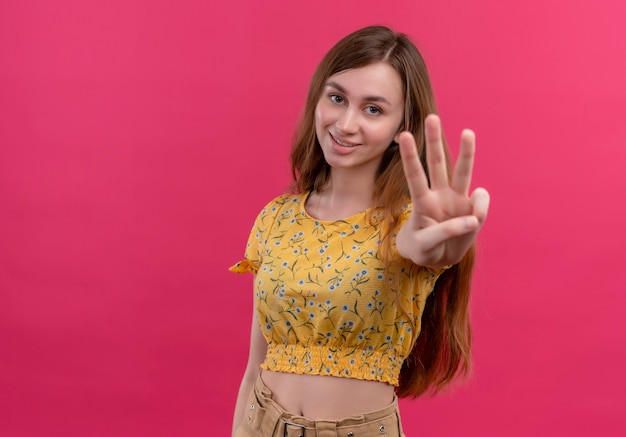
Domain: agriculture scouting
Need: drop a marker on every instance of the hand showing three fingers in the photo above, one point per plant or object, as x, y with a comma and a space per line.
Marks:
445, 218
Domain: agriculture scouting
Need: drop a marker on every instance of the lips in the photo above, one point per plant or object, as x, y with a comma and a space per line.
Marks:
341, 142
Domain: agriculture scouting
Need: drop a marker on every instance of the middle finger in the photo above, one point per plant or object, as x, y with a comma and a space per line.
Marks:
435, 155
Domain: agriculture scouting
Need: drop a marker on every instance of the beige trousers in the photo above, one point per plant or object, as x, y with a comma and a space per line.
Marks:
265, 418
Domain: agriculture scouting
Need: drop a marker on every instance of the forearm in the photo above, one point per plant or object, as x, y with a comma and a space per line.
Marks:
258, 348
245, 388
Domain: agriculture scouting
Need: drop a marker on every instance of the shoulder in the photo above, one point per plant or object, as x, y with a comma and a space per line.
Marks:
405, 212
283, 201
279, 205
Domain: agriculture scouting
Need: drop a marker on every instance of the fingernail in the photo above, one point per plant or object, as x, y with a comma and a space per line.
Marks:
471, 222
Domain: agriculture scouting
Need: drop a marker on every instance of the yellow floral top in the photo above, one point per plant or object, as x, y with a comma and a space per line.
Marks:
323, 296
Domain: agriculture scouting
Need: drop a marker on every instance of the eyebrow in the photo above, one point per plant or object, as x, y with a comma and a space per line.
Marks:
368, 98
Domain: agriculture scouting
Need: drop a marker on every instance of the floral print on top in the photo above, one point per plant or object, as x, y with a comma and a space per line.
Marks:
323, 296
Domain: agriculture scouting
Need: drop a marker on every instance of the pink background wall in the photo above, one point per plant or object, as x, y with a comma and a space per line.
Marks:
138, 140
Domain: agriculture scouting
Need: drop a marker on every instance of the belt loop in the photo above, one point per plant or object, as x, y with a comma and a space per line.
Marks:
271, 421
326, 428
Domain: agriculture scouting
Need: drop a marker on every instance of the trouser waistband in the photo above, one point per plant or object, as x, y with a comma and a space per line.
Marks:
278, 422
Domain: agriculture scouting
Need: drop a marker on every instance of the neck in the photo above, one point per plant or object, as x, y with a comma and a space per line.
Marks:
345, 194
347, 187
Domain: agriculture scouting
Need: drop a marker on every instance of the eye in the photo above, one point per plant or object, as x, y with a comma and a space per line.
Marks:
373, 110
336, 98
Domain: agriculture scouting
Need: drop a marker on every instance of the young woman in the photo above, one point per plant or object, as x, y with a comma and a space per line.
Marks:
376, 223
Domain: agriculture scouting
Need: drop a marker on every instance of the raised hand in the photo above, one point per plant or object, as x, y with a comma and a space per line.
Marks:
445, 218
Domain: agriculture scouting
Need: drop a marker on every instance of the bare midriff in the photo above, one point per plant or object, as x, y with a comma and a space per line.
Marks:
326, 397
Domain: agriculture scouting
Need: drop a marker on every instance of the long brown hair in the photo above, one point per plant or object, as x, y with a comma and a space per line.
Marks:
442, 351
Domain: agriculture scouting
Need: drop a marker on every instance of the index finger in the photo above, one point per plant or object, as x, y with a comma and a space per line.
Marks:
413, 169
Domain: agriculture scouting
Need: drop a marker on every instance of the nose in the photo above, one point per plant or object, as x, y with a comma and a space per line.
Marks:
348, 121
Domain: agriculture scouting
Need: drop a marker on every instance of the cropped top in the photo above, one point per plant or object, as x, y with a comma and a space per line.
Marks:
325, 301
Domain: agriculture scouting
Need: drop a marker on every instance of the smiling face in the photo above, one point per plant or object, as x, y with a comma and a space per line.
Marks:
358, 116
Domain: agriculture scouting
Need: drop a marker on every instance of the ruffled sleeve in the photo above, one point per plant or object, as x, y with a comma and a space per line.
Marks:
245, 266
253, 257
